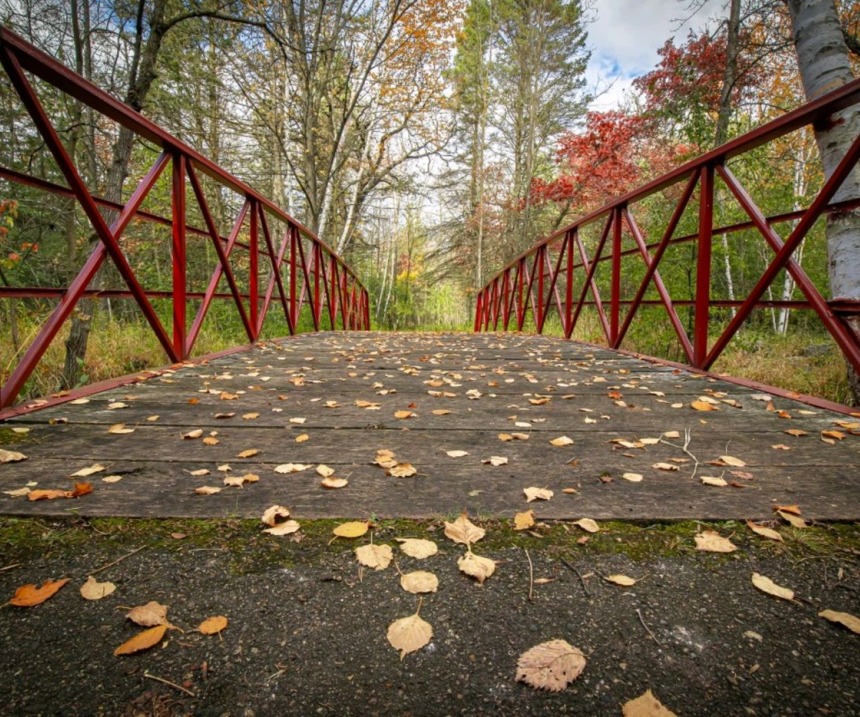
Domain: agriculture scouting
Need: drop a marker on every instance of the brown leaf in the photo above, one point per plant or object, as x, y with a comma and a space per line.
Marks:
149, 615
766, 585
332, 482
93, 590
417, 547
286, 528
248, 453
646, 705
81, 489
419, 581
496, 461
622, 580
119, 429
561, 441
700, 405
463, 531
409, 634
550, 665
793, 509
477, 566
763, 531
796, 432
711, 541
213, 625
794, 520
142, 641
533, 493
402, 415
668, 467
196, 433
274, 514
843, 618
211, 441
402, 470
588, 525
30, 595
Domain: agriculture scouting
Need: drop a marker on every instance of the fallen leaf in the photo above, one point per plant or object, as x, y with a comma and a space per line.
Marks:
796, 432
248, 453
843, 618
534, 493
714, 480
731, 461
93, 590
409, 634
286, 528
668, 467
464, 531
211, 441
298, 421
81, 489
417, 547
456, 454
476, 566
419, 581
149, 615
646, 705
588, 525
794, 520
199, 472
352, 529
764, 532
302, 438
11, 456
622, 580
142, 641
402, 470
250, 416
525, 520
561, 441
836, 435
239, 481
793, 509
403, 414
496, 461
700, 405
30, 595
711, 541
292, 467
550, 665
90, 470
766, 585
119, 428
324, 470
332, 482
440, 412
632, 477
18, 492
213, 625
274, 514
196, 433
207, 490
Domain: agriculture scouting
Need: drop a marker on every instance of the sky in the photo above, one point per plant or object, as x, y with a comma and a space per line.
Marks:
626, 34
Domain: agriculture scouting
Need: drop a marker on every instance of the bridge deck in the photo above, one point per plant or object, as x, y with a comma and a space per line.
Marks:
491, 384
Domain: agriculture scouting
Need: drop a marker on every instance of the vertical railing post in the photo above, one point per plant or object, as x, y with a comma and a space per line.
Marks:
178, 209
478, 317
568, 289
538, 309
254, 269
521, 314
615, 296
506, 299
294, 251
317, 287
703, 266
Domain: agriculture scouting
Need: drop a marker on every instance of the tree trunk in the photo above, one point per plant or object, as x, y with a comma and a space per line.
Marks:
824, 66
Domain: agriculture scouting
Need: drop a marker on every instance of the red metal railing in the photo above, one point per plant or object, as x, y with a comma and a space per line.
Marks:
302, 269
559, 272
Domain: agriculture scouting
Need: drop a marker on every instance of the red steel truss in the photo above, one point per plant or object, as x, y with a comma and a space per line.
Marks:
302, 269
559, 272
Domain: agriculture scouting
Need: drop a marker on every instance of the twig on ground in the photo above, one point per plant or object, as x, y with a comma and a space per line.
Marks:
169, 684
688, 436
9, 567
579, 575
118, 560
647, 629
531, 574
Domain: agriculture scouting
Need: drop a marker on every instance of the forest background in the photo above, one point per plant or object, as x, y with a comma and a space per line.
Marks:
429, 142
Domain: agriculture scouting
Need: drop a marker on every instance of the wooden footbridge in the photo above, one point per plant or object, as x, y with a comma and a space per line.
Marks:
422, 424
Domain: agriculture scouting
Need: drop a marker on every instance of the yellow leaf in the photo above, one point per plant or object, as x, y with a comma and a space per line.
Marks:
496, 461
409, 634
196, 433
248, 453
119, 428
632, 477
766, 585
324, 470
456, 454
622, 580
561, 441
703, 406
353, 529
668, 467
302, 438
213, 625
142, 641
250, 416
90, 470
149, 615
417, 547
525, 520
199, 472
843, 618
403, 414
646, 705
534, 493
714, 480
211, 441
402, 470
550, 666
795, 520
273, 514
464, 531
711, 541
207, 490
732, 461
440, 412
763, 531
796, 432
476, 566
93, 590
291, 468
419, 581
30, 595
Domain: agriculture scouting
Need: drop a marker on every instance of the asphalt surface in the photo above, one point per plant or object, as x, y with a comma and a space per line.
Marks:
307, 625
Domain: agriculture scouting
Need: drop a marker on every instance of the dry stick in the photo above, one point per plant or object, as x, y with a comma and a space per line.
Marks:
169, 684
9, 567
579, 575
118, 560
531, 574
687, 438
647, 629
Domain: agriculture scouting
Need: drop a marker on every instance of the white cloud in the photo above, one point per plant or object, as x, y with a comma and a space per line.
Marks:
626, 34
